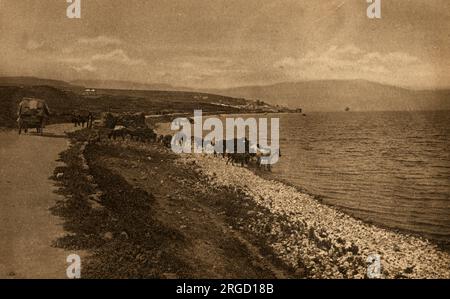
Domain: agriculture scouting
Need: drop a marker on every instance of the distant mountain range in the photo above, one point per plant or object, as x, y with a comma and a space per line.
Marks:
320, 95
32, 81
337, 95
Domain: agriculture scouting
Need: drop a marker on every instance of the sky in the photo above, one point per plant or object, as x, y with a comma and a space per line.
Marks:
228, 43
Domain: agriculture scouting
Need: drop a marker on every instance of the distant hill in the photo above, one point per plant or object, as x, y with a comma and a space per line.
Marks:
78, 84
320, 95
33, 81
124, 85
337, 95
62, 101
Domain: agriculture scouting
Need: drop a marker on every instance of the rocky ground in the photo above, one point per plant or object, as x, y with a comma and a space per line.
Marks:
146, 212
141, 214
319, 241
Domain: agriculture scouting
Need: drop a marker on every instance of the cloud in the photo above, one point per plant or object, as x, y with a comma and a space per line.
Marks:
92, 44
200, 71
92, 62
100, 41
351, 62
85, 68
117, 56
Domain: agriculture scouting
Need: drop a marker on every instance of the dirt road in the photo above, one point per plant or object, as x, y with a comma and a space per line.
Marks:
27, 228
135, 234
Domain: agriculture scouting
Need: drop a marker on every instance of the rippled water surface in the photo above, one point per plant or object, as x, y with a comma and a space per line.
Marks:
391, 168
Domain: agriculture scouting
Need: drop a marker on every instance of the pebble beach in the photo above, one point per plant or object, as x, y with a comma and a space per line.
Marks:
319, 241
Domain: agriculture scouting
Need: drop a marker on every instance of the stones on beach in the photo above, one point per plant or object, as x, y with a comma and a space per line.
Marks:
329, 243
353, 249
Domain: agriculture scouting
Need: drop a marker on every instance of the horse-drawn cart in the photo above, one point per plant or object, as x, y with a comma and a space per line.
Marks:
32, 114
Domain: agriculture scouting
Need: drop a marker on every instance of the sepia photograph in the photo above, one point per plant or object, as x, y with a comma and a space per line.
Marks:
224, 139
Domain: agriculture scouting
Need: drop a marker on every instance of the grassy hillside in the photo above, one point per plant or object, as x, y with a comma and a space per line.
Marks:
126, 85
33, 81
62, 102
10, 96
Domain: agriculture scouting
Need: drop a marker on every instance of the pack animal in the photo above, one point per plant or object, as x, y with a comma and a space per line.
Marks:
142, 134
83, 118
118, 131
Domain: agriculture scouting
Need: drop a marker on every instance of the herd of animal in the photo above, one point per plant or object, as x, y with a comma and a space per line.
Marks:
237, 151
142, 134
240, 151
249, 154
83, 118
252, 153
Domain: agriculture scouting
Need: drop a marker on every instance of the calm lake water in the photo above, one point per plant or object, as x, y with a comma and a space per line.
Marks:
390, 168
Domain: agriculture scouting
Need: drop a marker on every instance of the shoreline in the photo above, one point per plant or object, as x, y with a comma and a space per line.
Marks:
164, 128
274, 227
326, 236
445, 246
396, 242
